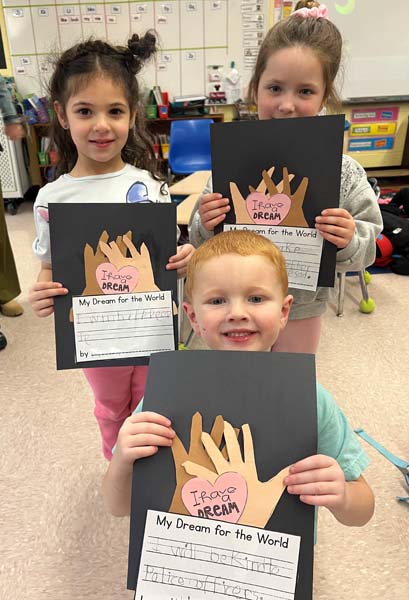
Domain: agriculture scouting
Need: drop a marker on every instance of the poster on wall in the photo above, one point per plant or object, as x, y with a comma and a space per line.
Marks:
279, 175
210, 517
373, 129
122, 302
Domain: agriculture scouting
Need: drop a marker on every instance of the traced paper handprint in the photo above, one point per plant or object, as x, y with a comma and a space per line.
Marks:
261, 498
92, 262
196, 454
271, 204
132, 273
136, 269
122, 274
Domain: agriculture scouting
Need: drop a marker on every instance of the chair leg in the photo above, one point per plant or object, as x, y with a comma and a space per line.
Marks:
364, 287
181, 314
367, 304
341, 292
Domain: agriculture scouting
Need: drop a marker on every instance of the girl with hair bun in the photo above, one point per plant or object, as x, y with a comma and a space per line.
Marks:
104, 152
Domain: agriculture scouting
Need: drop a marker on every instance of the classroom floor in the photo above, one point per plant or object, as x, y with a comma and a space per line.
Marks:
57, 543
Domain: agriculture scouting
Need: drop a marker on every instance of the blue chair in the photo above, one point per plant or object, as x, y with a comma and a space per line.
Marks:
189, 146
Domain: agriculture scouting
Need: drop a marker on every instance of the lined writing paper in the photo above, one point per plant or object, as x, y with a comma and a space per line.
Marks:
122, 325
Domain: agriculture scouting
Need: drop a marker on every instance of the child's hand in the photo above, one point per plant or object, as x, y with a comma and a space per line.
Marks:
336, 225
212, 210
141, 435
180, 260
42, 294
319, 481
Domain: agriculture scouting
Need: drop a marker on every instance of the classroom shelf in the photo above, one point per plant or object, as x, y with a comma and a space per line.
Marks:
154, 126
37, 174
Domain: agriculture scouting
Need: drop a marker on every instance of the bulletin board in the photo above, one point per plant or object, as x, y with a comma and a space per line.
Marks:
192, 37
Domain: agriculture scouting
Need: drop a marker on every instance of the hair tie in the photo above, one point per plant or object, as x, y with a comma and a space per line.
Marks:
313, 13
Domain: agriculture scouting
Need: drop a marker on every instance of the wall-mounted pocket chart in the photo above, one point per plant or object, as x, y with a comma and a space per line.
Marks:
192, 35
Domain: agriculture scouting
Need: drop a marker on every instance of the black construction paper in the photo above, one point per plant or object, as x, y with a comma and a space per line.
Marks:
275, 393
74, 225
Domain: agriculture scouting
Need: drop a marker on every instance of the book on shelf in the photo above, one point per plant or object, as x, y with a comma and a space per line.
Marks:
157, 92
191, 98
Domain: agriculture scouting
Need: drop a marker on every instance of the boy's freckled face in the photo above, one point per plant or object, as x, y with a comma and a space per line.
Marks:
238, 303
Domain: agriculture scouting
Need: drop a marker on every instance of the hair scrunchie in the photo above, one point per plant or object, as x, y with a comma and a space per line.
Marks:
313, 13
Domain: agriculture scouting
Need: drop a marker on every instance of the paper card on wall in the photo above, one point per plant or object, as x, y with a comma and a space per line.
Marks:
279, 175
236, 438
121, 305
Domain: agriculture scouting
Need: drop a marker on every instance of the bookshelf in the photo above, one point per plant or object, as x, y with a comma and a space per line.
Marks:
38, 171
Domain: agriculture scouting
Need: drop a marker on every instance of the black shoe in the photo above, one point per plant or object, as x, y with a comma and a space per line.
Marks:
3, 341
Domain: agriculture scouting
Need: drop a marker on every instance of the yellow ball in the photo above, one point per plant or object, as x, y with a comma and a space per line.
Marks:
367, 306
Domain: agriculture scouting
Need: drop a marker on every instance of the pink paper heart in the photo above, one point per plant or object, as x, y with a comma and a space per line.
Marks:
224, 500
267, 210
116, 281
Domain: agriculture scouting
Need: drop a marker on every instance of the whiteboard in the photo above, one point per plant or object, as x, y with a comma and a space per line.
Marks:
192, 36
376, 46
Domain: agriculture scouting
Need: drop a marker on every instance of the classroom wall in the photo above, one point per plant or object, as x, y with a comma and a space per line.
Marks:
192, 35
376, 46
5, 62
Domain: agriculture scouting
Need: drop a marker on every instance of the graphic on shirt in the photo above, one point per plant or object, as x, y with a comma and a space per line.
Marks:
271, 204
138, 192
43, 212
222, 484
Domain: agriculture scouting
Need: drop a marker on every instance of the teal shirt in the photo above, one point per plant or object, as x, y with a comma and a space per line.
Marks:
335, 436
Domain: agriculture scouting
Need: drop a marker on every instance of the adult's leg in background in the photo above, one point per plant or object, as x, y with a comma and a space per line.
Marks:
9, 284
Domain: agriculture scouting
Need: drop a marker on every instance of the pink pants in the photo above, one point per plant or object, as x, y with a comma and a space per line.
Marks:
299, 336
117, 392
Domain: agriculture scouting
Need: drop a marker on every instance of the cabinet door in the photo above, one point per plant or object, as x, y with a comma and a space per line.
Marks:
13, 171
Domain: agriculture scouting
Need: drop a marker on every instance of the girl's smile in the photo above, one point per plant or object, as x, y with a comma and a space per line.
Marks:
99, 119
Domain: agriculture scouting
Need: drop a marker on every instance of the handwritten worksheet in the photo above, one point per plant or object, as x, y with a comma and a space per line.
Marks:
112, 259
279, 176
302, 249
190, 558
122, 325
